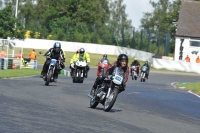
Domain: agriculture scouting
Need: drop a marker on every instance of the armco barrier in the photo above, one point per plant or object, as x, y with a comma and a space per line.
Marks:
90, 48
176, 65
13, 63
32, 64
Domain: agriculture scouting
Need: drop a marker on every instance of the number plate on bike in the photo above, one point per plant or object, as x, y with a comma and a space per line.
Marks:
118, 79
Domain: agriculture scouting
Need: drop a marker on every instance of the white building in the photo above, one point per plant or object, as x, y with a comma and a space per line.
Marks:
188, 32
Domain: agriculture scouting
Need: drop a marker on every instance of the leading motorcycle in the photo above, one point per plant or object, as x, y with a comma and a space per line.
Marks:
107, 92
49, 76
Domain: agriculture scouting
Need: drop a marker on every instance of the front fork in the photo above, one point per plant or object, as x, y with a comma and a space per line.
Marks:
109, 90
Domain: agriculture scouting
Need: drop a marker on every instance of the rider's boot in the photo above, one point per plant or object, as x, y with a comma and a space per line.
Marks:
86, 74
55, 77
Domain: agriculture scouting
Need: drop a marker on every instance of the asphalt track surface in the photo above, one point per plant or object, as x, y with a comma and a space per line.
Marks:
28, 106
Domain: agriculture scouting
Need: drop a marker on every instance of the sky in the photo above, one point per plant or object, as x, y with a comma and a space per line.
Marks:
135, 9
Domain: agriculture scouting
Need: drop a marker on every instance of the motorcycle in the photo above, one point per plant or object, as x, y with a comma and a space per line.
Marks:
101, 66
134, 72
79, 71
143, 73
49, 76
107, 92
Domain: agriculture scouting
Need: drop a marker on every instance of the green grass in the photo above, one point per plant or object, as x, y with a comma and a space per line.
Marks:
195, 87
18, 73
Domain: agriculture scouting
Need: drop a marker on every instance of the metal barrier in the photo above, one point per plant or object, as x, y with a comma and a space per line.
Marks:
13, 63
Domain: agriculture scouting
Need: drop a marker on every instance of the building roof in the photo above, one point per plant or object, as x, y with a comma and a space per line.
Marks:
189, 20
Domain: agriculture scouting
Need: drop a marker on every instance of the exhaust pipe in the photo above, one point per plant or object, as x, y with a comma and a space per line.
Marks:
90, 96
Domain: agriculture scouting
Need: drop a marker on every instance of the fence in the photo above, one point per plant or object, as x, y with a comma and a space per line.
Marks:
14, 63
10, 60
176, 65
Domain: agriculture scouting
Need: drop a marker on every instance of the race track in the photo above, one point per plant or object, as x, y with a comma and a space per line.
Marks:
28, 106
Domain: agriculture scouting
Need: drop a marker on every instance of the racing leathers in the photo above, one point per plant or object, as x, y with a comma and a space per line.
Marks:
137, 64
51, 54
148, 69
109, 71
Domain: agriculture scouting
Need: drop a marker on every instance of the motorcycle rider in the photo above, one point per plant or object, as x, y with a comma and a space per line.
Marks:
105, 63
54, 53
71, 66
148, 68
135, 63
122, 62
105, 58
85, 56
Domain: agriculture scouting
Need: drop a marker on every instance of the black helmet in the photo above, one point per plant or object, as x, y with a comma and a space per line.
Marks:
122, 57
146, 62
82, 51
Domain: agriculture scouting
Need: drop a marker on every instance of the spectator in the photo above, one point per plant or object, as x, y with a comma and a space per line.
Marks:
32, 55
187, 59
2, 54
19, 55
198, 59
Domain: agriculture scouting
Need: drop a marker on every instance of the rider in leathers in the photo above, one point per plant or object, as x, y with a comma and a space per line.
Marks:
54, 53
135, 63
148, 69
122, 62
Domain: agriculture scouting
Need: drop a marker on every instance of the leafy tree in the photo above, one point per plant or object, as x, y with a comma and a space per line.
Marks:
160, 21
7, 24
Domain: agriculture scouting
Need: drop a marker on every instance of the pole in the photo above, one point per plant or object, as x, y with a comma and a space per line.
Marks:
16, 9
167, 44
141, 39
133, 41
148, 43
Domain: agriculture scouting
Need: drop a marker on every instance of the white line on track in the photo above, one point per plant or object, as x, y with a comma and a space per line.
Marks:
21, 77
193, 93
173, 84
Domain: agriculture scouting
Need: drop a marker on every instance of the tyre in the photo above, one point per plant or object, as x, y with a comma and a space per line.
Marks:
49, 77
141, 79
79, 78
109, 102
132, 75
74, 77
93, 102
135, 78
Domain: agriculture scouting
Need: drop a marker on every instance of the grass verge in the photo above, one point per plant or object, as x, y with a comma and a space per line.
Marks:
195, 86
18, 73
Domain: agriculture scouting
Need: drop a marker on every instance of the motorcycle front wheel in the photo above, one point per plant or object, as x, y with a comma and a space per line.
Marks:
48, 78
93, 102
132, 74
110, 101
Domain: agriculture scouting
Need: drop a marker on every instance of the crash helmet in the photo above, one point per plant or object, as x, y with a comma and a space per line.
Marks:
122, 57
